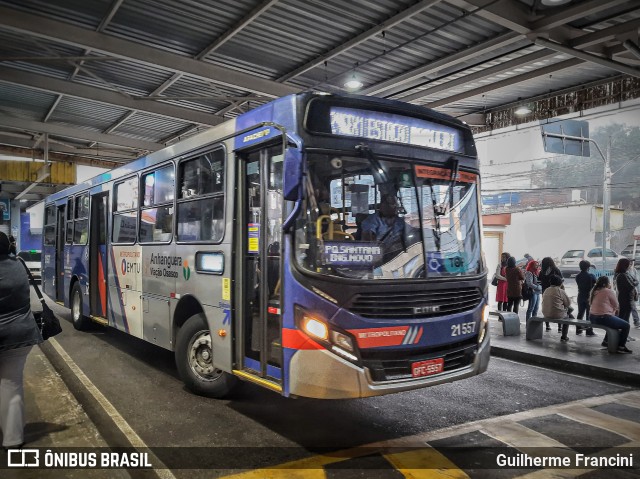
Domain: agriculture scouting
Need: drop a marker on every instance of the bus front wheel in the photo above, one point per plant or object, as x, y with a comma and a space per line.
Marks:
194, 360
80, 322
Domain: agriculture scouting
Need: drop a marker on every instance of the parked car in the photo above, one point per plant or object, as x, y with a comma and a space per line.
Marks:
628, 253
569, 264
31, 258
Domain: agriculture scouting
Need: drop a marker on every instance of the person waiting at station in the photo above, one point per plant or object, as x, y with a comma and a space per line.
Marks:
626, 286
515, 278
548, 269
501, 282
556, 304
531, 280
586, 281
604, 307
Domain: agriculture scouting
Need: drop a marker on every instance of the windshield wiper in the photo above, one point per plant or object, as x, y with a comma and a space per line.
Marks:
441, 209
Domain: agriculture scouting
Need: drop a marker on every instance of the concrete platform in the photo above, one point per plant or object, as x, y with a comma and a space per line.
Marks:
55, 419
580, 355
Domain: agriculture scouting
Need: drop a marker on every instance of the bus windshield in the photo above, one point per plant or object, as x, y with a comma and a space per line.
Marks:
369, 218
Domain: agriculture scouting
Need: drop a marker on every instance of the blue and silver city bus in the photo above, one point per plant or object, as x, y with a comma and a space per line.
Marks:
321, 245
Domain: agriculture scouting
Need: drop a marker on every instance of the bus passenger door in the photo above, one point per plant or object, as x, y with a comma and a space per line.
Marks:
98, 255
260, 229
60, 240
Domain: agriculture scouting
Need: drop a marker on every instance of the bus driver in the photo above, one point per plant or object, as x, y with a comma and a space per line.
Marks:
384, 224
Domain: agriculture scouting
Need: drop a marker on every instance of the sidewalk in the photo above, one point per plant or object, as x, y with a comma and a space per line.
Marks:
580, 355
54, 418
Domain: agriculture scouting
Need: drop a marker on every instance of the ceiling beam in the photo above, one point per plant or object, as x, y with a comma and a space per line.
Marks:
25, 152
21, 145
586, 39
508, 14
574, 12
508, 82
69, 34
77, 133
395, 84
77, 90
487, 72
364, 36
605, 62
237, 28
605, 35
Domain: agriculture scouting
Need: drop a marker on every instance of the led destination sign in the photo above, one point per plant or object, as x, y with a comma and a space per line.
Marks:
395, 128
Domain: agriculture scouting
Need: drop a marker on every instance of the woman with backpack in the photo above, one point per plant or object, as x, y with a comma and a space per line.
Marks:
531, 289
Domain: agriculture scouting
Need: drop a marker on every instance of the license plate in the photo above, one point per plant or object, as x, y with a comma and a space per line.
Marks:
427, 368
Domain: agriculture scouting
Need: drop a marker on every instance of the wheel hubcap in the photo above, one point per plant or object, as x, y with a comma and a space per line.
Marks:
201, 357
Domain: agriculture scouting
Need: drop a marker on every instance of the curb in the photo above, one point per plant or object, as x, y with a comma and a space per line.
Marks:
596, 372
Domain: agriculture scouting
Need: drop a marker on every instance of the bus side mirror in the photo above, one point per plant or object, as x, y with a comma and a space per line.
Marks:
292, 174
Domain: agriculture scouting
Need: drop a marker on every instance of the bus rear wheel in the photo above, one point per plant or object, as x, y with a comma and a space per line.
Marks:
194, 360
80, 321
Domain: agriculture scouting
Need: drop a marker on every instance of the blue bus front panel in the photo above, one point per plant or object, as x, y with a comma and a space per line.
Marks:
391, 354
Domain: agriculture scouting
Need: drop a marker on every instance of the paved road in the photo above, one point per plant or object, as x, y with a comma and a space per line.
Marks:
141, 383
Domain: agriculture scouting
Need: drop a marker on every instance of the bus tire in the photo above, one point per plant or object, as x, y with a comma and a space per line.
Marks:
79, 320
194, 360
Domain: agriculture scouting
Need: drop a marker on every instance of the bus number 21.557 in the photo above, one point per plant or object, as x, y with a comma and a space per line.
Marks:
463, 328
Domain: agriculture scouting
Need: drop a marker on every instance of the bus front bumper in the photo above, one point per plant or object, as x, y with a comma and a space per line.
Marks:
323, 375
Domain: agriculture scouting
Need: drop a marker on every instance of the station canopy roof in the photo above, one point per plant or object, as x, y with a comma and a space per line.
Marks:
105, 81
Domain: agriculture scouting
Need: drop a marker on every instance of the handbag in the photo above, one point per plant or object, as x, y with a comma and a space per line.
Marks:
47, 322
494, 281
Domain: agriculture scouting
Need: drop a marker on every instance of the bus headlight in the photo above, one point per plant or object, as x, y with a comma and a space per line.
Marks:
336, 341
484, 324
315, 328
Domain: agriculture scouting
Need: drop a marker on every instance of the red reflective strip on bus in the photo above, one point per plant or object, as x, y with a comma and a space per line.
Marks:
415, 341
380, 337
102, 287
296, 339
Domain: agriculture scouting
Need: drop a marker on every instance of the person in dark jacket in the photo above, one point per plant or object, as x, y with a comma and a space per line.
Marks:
548, 269
586, 281
515, 277
625, 286
18, 333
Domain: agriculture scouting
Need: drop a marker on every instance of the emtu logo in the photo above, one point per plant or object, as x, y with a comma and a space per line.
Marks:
124, 267
186, 271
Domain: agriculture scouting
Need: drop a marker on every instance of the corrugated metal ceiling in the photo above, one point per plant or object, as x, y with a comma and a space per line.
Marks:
189, 64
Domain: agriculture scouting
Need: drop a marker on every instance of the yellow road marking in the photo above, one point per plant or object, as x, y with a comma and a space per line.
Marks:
426, 463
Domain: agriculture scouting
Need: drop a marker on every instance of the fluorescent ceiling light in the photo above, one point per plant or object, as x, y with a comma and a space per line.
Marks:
522, 110
353, 84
